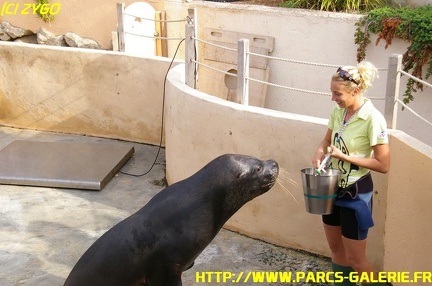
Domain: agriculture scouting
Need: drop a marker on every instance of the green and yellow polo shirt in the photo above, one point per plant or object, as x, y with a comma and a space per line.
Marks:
367, 129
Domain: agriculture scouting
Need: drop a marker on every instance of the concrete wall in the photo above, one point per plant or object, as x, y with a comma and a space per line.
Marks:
302, 35
81, 91
400, 196
407, 233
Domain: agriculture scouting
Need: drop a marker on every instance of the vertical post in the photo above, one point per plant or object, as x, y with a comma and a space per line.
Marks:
158, 29
392, 90
120, 26
190, 52
161, 30
115, 41
164, 34
243, 71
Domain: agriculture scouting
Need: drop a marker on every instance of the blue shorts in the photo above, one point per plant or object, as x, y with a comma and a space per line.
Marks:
346, 217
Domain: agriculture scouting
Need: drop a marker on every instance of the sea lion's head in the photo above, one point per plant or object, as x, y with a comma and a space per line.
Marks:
241, 178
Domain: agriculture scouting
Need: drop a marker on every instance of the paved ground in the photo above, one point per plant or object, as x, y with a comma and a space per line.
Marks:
44, 231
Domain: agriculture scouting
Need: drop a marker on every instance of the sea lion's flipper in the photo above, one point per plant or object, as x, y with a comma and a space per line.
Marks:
190, 266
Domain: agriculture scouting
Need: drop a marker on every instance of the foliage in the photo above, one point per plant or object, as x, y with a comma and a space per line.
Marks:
336, 5
413, 25
46, 16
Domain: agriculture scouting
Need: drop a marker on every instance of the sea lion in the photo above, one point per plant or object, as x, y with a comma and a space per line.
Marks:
161, 240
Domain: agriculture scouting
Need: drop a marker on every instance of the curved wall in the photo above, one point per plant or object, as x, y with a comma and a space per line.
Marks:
199, 127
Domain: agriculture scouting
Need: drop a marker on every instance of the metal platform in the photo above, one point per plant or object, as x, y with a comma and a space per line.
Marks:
61, 164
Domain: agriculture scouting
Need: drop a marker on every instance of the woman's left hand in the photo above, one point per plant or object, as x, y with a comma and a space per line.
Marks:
380, 162
336, 152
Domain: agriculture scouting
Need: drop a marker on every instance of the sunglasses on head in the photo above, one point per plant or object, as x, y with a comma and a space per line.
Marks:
346, 76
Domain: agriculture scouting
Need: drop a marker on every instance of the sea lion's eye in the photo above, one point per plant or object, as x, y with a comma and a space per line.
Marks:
258, 168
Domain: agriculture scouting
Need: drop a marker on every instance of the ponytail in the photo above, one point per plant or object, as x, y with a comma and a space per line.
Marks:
364, 74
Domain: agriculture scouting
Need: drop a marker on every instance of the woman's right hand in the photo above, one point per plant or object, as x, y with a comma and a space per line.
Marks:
321, 151
317, 158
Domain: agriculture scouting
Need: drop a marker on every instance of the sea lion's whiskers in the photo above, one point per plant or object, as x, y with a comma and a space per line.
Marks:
291, 181
286, 190
283, 174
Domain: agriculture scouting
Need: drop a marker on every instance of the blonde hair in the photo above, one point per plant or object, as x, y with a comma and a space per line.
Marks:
364, 74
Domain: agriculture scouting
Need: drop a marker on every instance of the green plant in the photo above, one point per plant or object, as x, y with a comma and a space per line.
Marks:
337, 5
413, 25
42, 11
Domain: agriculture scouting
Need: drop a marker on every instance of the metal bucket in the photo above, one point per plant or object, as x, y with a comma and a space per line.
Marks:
320, 190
